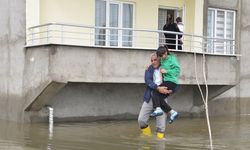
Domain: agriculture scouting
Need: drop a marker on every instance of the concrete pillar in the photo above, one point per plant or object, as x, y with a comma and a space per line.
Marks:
12, 41
244, 60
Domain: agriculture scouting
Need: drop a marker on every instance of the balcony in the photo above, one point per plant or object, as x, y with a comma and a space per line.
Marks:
127, 38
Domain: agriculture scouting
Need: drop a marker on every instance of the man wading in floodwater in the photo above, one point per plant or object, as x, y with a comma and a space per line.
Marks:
147, 106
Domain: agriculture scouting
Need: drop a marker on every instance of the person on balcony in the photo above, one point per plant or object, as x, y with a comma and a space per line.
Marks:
181, 28
147, 107
170, 70
170, 38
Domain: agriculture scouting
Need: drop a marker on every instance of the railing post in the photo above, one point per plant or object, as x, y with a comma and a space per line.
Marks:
225, 46
32, 36
207, 44
62, 34
191, 43
203, 46
120, 37
214, 46
47, 33
90, 32
176, 42
107, 41
134, 36
233, 47
158, 40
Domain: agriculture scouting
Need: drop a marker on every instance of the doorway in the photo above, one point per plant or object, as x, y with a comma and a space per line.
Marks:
162, 19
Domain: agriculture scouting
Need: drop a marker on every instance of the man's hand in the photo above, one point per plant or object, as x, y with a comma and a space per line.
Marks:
164, 90
163, 71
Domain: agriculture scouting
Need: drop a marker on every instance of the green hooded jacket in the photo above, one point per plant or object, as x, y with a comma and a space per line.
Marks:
171, 65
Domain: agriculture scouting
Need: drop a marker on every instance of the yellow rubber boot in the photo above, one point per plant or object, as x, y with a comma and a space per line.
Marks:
160, 135
146, 131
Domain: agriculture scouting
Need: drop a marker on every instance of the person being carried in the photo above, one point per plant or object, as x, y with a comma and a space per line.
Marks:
170, 70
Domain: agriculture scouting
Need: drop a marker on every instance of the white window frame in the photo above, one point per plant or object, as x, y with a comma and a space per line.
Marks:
214, 25
225, 11
120, 3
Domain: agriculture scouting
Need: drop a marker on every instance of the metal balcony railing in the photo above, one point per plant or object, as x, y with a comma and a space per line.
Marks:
80, 35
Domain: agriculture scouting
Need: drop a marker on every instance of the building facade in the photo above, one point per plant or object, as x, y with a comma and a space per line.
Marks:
86, 58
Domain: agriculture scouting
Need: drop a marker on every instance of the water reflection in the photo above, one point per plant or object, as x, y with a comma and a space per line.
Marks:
152, 143
228, 133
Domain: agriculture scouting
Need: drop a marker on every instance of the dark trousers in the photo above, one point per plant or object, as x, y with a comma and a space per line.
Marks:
158, 99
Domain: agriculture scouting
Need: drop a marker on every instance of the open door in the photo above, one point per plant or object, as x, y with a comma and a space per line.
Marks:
162, 19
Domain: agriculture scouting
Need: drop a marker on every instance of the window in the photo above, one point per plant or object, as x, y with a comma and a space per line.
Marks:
113, 14
221, 24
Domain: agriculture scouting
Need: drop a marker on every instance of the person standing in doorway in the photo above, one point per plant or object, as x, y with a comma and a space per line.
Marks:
171, 41
180, 24
181, 28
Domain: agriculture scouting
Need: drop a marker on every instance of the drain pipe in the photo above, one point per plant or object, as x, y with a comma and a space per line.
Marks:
51, 121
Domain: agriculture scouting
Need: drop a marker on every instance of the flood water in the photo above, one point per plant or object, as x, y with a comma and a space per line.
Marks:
184, 134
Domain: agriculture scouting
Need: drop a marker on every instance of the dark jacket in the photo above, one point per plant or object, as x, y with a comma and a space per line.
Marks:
149, 80
171, 38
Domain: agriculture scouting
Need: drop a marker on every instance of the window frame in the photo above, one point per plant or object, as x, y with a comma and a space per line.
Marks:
120, 25
225, 20
214, 26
